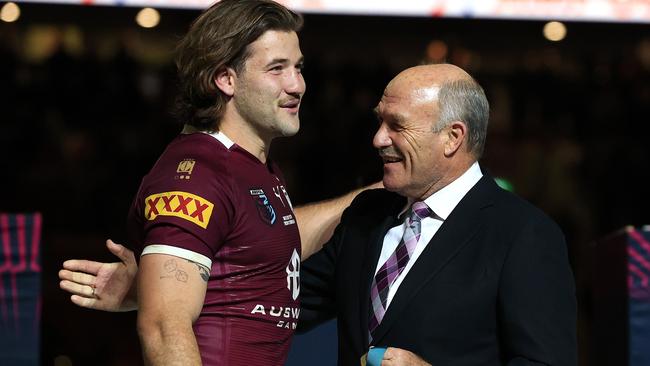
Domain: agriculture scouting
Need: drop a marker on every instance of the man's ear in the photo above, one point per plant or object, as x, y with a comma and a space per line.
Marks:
224, 79
456, 133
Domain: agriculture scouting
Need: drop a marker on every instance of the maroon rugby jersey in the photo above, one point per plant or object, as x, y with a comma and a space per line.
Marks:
210, 201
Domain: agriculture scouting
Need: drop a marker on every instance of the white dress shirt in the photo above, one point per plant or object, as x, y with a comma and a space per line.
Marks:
442, 203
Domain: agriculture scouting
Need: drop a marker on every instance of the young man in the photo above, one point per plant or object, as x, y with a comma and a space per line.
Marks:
219, 246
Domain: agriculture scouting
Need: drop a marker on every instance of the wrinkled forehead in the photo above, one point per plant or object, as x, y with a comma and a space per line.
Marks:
404, 94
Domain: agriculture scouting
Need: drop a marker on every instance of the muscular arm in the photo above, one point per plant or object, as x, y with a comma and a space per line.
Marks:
171, 291
317, 221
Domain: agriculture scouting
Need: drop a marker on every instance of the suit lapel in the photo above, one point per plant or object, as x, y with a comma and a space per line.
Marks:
373, 250
454, 234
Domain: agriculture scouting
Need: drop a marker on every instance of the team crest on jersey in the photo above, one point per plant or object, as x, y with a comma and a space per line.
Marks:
185, 168
185, 205
264, 207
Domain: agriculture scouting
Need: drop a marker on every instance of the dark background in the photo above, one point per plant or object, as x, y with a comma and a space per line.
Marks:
85, 99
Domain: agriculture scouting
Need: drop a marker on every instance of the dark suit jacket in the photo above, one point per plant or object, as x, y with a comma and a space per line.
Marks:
493, 287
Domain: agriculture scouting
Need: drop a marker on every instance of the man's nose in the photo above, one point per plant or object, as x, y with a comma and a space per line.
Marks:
381, 138
295, 83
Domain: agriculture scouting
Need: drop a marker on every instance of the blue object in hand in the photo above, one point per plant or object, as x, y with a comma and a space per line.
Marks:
375, 355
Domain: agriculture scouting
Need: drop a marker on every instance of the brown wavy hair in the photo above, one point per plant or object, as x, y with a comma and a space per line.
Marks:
217, 39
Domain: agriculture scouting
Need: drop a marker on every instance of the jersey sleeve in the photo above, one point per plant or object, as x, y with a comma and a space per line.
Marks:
188, 217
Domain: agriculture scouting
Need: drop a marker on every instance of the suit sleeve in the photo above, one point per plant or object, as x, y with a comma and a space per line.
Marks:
318, 274
537, 303
317, 282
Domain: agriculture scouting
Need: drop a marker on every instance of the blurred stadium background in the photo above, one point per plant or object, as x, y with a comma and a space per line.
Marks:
86, 93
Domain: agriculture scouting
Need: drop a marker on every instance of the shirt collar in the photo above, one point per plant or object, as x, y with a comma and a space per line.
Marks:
446, 199
220, 136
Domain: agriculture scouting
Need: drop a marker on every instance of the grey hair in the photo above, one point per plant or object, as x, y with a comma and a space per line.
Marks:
465, 101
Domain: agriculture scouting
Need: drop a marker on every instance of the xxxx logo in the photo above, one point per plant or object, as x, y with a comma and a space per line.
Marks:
180, 204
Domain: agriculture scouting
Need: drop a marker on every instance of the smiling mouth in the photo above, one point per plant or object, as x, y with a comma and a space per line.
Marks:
391, 159
293, 104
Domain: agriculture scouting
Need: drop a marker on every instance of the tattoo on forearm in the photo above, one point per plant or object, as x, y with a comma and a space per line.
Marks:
203, 271
171, 270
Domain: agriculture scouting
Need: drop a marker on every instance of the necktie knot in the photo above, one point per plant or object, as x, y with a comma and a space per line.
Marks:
421, 209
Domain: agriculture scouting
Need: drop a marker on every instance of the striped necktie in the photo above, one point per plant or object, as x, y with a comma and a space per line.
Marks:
395, 264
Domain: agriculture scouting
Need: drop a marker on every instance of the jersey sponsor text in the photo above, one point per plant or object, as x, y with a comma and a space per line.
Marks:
185, 205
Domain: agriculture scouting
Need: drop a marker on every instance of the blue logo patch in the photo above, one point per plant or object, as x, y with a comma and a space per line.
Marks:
264, 208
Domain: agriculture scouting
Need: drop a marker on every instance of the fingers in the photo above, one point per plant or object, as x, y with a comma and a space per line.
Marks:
387, 360
82, 265
397, 356
393, 357
78, 277
77, 283
84, 302
77, 289
120, 251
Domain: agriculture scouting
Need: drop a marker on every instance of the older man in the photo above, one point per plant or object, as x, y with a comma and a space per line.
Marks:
442, 267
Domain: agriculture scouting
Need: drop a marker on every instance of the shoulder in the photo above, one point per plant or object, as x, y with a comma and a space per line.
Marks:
191, 165
375, 203
520, 207
204, 148
517, 215
194, 156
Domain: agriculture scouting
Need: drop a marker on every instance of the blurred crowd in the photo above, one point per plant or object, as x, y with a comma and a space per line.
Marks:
85, 111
